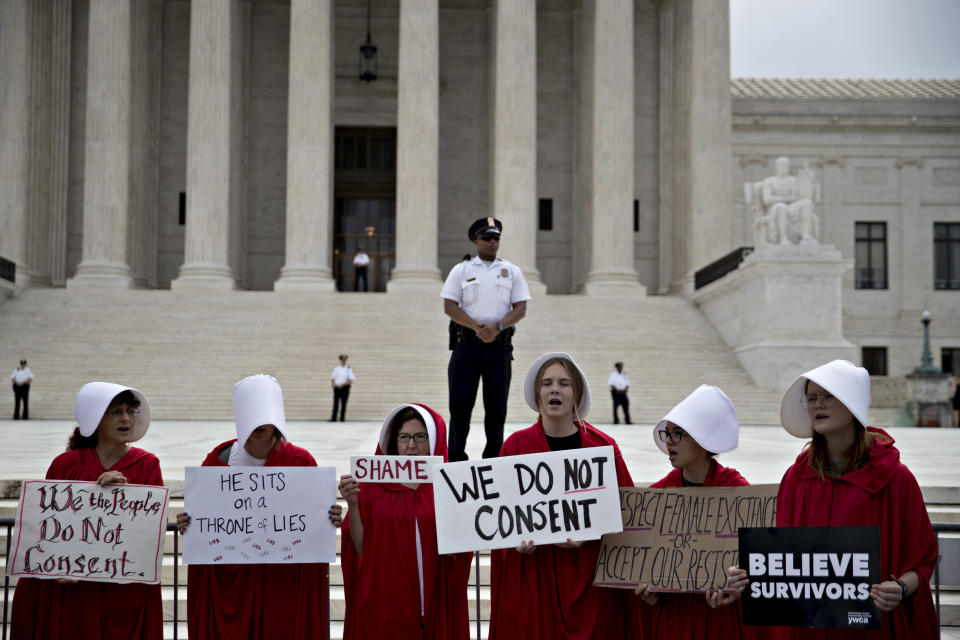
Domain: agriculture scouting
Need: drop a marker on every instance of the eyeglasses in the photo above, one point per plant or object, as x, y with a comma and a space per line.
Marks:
813, 399
490, 238
119, 411
405, 438
673, 437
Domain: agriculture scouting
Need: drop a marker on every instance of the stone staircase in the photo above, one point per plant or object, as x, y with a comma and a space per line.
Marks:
185, 350
943, 504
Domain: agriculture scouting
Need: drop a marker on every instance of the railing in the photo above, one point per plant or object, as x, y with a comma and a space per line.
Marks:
720, 267
8, 270
938, 528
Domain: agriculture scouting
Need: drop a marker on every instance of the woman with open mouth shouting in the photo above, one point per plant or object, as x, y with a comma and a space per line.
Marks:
109, 418
547, 591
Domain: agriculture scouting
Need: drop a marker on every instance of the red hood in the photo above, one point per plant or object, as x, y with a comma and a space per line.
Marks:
873, 477
440, 445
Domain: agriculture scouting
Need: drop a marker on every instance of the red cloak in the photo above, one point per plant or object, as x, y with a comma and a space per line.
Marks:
48, 609
382, 586
884, 493
549, 593
258, 600
687, 616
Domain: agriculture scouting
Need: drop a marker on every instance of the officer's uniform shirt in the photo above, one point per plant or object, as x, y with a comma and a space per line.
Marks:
342, 375
618, 381
361, 259
486, 291
21, 376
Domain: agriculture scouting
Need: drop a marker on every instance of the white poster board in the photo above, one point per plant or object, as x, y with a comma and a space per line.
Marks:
498, 503
259, 515
393, 468
76, 529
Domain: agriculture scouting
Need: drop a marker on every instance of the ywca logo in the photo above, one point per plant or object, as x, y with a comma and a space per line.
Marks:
858, 617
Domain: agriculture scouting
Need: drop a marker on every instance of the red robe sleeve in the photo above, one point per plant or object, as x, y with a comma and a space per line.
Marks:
550, 593
259, 600
48, 609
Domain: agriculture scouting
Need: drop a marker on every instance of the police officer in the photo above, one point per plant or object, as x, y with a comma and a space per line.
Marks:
485, 297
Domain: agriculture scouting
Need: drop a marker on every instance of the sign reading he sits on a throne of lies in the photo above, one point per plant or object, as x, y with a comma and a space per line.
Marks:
259, 515
80, 530
681, 539
498, 503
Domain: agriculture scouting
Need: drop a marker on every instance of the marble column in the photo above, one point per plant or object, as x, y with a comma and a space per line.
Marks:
62, 35
417, 146
309, 149
611, 194
213, 149
514, 171
14, 131
106, 191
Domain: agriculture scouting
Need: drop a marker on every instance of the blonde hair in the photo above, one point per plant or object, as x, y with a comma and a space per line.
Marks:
576, 381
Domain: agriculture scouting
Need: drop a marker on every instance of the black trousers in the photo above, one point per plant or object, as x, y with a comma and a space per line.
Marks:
21, 394
470, 363
361, 272
620, 400
340, 397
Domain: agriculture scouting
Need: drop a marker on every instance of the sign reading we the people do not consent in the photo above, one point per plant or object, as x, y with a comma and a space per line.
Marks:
80, 530
681, 539
259, 515
393, 468
498, 503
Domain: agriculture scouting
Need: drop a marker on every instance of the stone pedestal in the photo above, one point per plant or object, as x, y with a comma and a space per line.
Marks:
781, 311
929, 401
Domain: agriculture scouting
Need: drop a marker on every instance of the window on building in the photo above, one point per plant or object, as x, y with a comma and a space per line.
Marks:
875, 360
546, 214
950, 360
946, 255
871, 255
636, 216
182, 209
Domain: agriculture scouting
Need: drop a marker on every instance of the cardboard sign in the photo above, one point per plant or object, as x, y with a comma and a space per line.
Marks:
76, 529
682, 539
259, 515
811, 576
544, 497
393, 468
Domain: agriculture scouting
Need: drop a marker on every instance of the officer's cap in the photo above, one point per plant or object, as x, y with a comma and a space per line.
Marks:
484, 225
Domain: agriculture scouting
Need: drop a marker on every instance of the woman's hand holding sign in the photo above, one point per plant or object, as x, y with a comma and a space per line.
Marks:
111, 477
650, 597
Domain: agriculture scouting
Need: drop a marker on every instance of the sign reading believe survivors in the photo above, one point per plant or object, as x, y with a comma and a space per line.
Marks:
259, 515
681, 539
498, 503
811, 576
393, 468
75, 529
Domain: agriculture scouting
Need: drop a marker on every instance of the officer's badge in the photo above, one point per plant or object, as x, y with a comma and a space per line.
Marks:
504, 273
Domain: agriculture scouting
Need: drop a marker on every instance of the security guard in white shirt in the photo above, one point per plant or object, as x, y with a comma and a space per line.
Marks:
486, 297
619, 383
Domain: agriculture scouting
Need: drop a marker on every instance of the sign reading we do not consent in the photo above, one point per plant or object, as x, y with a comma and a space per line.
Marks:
259, 515
498, 503
80, 530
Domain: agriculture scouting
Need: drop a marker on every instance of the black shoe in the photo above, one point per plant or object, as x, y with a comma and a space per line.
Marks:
332, 420
341, 418
628, 422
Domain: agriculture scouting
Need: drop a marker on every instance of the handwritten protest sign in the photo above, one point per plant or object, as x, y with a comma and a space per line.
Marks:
811, 576
259, 515
681, 539
544, 497
76, 529
393, 468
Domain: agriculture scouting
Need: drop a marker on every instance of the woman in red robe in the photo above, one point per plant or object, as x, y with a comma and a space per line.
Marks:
257, 600
851, 475
547, 591
701, 426
395, 583
109, 418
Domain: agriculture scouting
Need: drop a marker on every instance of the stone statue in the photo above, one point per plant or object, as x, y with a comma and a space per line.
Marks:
782, 206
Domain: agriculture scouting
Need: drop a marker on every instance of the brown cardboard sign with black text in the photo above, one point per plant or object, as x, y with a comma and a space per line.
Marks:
681, 539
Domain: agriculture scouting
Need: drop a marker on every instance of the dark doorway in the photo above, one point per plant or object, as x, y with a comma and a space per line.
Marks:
365, 185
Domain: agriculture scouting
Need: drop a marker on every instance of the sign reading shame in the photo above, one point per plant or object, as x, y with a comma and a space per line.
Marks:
80, 530
498, 503
259, 515
681, 539
393, 468
811, 576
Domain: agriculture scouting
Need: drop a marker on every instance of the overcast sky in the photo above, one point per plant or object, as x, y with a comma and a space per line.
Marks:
845, 38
